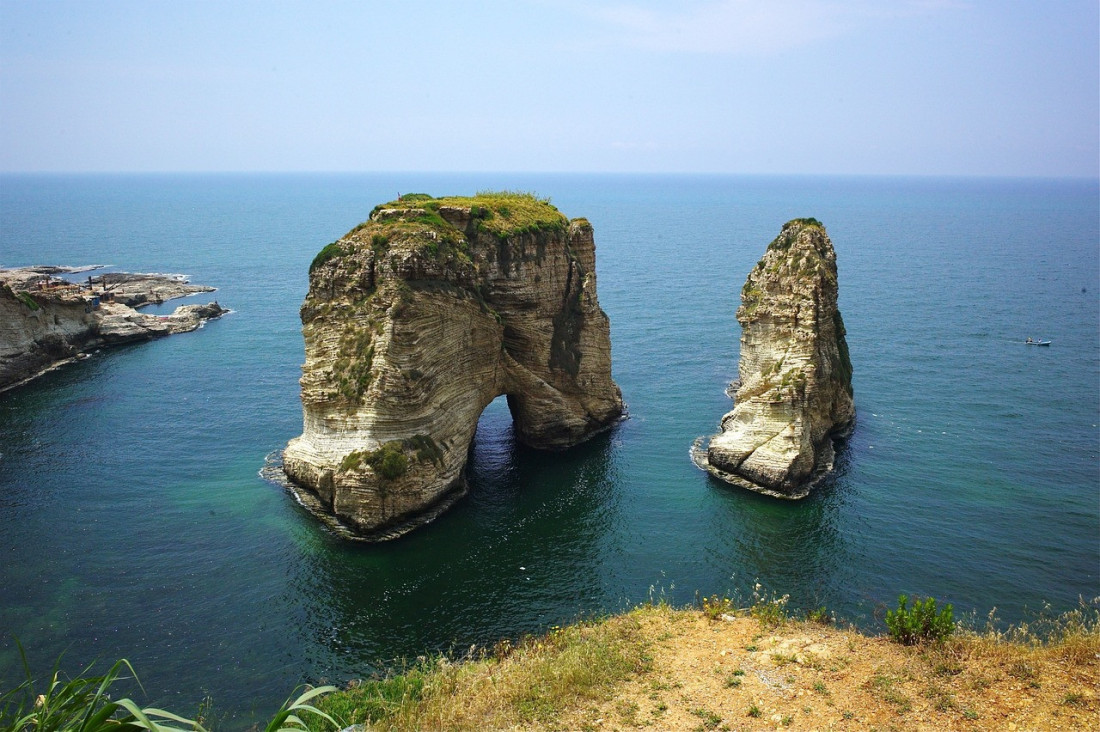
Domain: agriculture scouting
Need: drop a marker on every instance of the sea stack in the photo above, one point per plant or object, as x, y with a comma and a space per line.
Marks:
794, 396
414, 322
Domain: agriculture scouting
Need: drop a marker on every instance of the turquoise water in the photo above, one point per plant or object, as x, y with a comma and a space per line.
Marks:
134, 522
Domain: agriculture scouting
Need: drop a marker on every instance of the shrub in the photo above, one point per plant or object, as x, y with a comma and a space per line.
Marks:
920, 624
329, 252
390, 461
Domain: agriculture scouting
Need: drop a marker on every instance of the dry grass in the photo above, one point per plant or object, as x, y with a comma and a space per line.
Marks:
533, 683
672, 669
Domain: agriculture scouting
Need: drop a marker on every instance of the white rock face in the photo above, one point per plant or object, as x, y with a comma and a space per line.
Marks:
795, 392
414, 322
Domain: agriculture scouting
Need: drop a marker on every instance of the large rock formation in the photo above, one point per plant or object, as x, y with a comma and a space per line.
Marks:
795, 378
46, 321
414, 322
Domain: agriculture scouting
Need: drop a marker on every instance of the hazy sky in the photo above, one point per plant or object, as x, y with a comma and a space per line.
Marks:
970, 87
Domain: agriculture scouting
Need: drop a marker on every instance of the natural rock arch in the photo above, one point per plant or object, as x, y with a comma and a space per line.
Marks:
420, 317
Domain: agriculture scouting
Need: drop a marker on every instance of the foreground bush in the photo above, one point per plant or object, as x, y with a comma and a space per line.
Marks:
921, 624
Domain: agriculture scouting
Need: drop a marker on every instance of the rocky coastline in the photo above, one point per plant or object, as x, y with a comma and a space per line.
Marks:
794, 391
47, 321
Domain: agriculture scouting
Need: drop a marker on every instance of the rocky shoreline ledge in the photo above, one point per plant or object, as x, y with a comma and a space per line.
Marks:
47, 321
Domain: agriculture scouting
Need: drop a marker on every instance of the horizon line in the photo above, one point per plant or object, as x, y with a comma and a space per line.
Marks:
729, 174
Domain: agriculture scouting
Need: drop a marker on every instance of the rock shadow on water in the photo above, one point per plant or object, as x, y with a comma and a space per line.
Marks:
795, 547
524, 552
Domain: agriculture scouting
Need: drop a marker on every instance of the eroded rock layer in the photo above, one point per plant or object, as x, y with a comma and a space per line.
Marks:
795, 378
415, 321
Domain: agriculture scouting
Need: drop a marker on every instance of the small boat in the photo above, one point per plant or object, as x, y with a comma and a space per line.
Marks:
1033, 342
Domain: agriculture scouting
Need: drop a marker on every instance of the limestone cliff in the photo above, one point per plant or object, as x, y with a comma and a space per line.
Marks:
46, 321
795, 378
415, 321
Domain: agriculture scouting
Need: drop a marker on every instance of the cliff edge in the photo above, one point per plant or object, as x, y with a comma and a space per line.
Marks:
414, 322
794, 395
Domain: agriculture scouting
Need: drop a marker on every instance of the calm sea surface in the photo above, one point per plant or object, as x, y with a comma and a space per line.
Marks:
134, 522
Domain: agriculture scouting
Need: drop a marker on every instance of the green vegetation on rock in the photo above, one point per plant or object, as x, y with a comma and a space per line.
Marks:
391, 460
500, 213
790, 231
27, 300
329, 252
352, 369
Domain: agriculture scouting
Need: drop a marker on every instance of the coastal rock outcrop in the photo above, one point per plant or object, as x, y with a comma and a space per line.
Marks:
414, 322
794, 395
46, 320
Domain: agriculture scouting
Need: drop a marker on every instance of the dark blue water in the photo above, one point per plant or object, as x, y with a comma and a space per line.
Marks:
133, 521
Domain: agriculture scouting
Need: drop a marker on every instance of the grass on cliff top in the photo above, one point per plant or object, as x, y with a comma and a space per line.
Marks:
664, 668
415, 217
502, 213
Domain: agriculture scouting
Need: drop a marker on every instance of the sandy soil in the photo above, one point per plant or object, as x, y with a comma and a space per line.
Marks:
735, 674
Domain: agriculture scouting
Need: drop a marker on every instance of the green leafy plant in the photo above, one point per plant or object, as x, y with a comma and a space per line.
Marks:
922, 623
82, 704
287, 719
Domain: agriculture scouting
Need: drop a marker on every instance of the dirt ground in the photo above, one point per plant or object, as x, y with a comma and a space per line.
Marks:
733, 673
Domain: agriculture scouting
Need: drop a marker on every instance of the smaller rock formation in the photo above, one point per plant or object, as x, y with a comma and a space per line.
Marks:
46, 321
794, 395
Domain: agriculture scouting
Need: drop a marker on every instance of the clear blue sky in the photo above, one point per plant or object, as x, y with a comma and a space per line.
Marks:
926, 87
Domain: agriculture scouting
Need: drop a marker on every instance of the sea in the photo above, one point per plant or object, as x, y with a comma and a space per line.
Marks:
136, 521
